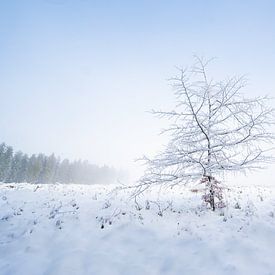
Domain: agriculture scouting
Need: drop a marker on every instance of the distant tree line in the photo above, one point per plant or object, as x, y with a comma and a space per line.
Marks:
19, 167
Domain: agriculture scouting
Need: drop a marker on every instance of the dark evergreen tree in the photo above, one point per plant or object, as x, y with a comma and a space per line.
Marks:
33, 170
2, 161
7, 163
22, 177
40, 168
15, 168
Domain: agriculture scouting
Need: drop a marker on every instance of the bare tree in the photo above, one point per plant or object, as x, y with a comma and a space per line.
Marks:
214, 130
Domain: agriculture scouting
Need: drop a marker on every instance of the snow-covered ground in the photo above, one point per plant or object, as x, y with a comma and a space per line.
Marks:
77, 229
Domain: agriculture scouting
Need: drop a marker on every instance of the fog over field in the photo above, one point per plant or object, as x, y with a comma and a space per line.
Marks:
77, 78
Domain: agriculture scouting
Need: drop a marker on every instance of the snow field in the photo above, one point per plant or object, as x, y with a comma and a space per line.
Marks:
97, 229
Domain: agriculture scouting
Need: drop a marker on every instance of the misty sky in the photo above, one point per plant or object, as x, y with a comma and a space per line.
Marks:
77, 77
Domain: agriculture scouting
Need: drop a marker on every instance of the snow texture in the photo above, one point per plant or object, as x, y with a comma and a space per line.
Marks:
77, 229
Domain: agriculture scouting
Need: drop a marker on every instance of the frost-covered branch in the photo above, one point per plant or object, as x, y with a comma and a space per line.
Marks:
214, 129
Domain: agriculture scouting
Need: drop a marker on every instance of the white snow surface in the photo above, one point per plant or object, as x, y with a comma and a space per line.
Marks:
92, 229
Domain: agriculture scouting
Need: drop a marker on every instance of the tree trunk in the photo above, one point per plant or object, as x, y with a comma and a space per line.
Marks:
212, 200
212, 194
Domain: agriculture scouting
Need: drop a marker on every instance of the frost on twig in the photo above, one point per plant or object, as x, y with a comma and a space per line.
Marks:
213, 130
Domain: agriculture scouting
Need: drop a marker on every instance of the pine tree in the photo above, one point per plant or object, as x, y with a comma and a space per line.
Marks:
40, 168
7, 162
14, 173
2, 161
22, 174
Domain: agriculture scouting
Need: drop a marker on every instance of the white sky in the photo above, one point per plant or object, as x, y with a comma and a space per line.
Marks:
77, 77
